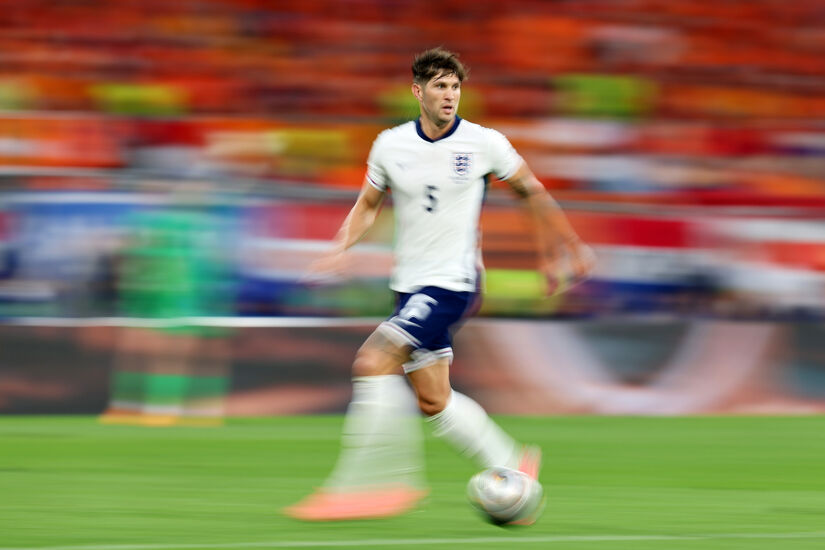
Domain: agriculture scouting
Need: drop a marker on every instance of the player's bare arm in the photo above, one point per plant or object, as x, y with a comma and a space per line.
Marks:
557, 240
359, 220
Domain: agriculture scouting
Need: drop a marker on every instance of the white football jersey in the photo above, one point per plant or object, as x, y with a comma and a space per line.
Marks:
438, 188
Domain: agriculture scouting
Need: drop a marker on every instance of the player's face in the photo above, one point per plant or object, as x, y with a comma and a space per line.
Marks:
439, 98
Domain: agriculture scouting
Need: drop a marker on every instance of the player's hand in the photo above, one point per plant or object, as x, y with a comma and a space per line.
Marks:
571, 265
553, 271
582, 260
329, 268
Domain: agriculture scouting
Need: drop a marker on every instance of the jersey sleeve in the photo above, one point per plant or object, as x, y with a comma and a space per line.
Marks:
376, 174
504, 160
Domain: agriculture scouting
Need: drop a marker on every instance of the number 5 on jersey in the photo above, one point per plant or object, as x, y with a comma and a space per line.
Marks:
431, 199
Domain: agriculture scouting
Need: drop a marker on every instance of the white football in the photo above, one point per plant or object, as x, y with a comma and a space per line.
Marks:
504, 495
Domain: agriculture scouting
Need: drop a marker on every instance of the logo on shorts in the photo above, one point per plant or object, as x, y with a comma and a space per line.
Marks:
461, 163
419, 306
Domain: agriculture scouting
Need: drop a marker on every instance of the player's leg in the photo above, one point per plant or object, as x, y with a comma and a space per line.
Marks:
151, 379
464, 424
461, 421
381, 443
379, 468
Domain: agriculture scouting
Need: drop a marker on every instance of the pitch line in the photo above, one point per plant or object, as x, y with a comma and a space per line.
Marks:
429, 541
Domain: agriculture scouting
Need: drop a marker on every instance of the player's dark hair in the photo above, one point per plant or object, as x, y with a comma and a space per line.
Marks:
434, 62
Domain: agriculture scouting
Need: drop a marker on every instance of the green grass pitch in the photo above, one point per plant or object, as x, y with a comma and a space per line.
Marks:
611, 482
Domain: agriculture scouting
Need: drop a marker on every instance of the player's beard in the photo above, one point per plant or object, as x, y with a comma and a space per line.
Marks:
441, 118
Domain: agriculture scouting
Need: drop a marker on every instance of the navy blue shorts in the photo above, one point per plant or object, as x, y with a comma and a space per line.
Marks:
425, 320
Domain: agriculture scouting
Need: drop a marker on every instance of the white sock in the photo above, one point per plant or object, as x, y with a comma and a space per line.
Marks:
465, 425
382, 442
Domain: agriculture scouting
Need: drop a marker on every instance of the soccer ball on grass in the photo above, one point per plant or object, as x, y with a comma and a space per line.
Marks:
504, 495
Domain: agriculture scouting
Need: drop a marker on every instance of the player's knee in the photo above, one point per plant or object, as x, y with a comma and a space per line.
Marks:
365, 364
371, 362
432, 404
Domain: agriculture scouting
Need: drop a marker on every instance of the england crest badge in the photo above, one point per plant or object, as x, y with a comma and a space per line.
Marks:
462, 163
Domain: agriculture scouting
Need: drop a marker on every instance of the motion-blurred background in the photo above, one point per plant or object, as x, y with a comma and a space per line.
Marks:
168, 170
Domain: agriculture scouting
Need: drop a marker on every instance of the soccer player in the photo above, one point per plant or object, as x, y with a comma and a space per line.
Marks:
437, 168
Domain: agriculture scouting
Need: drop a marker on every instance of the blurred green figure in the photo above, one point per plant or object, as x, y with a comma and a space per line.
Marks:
172, 267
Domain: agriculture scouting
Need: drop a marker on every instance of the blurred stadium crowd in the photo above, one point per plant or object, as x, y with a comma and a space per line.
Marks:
685, 138
190, 158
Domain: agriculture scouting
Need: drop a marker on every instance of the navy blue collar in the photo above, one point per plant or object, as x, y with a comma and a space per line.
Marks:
450, 132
